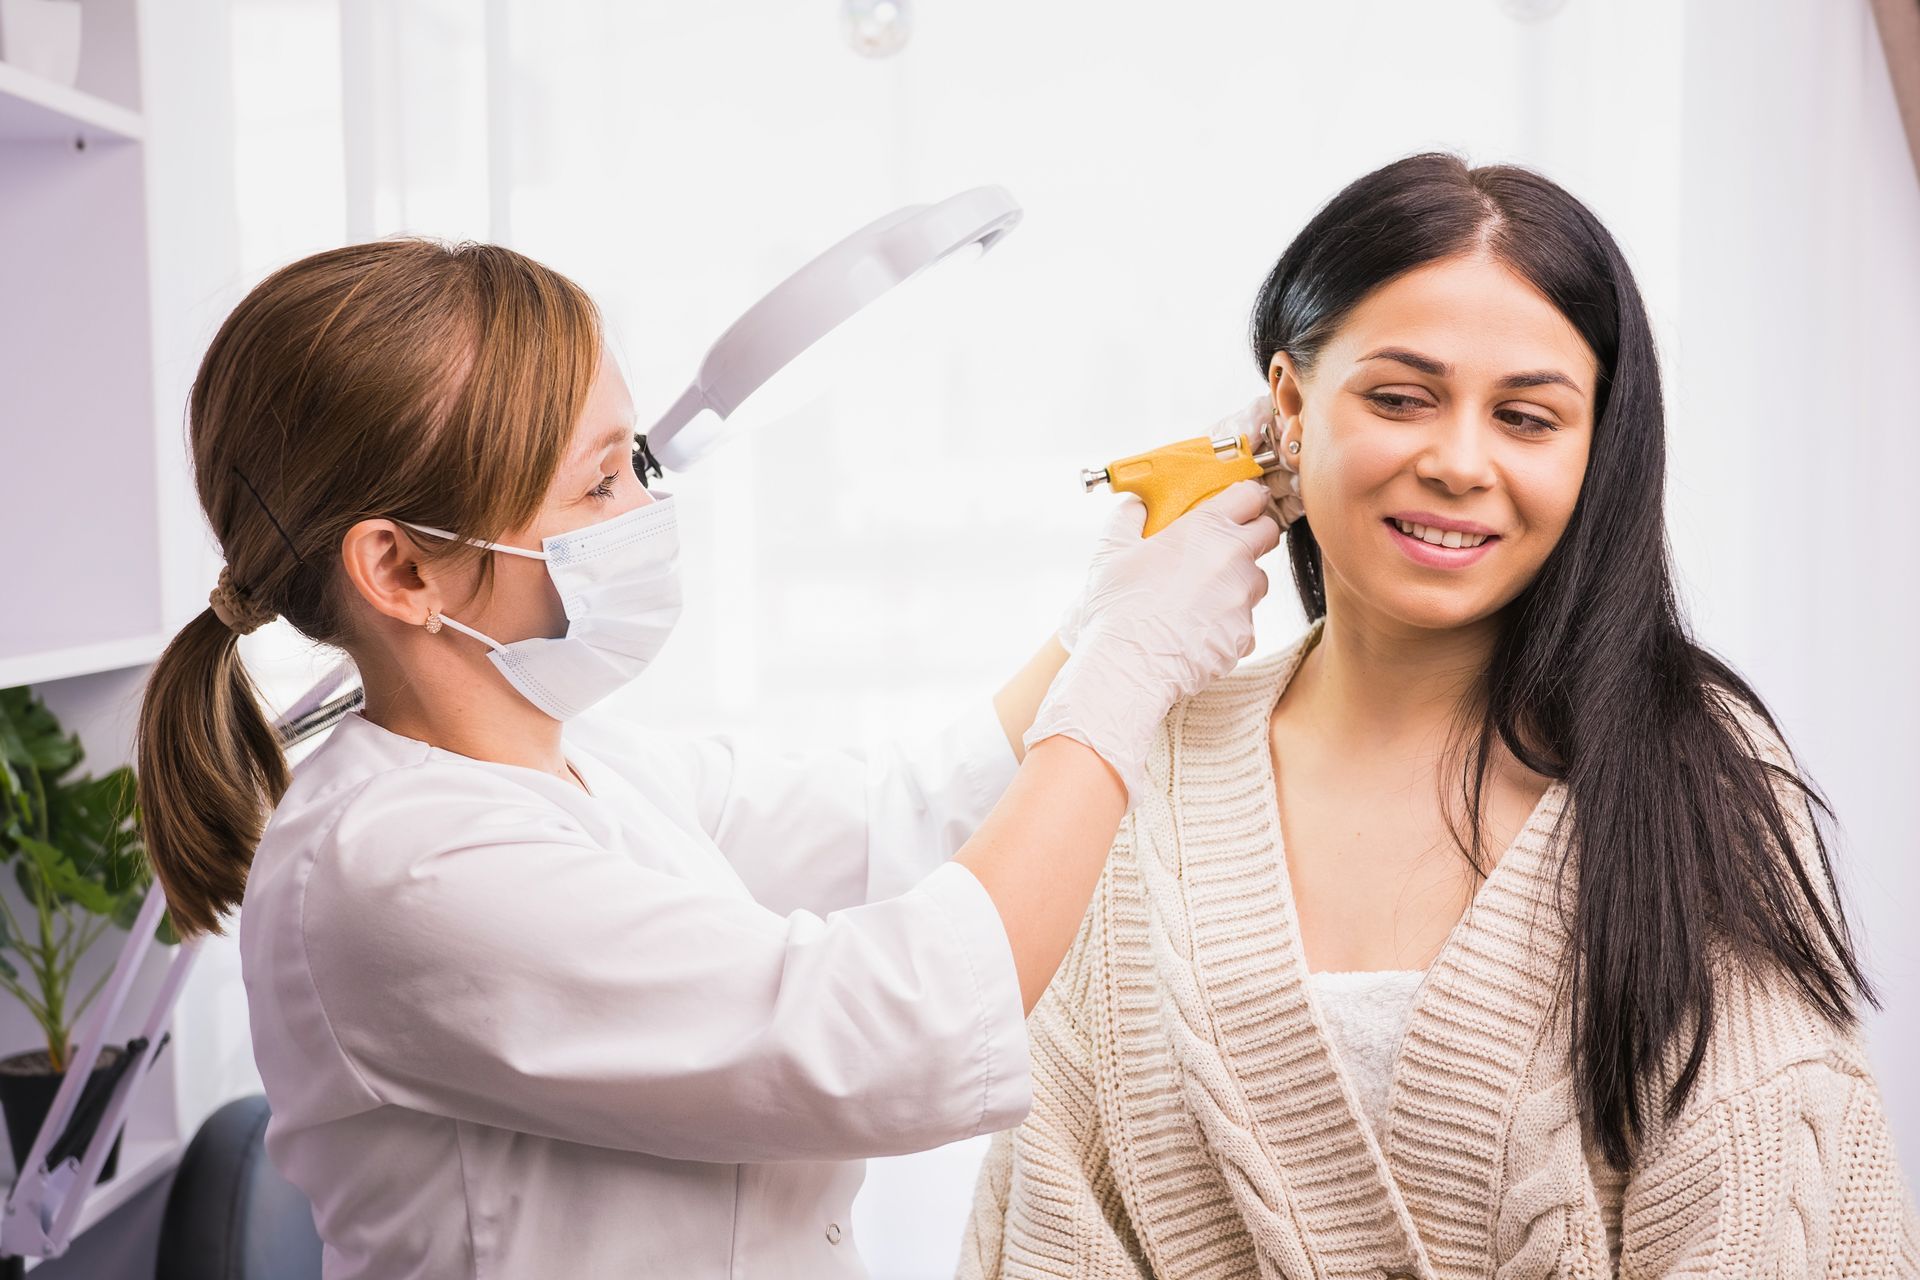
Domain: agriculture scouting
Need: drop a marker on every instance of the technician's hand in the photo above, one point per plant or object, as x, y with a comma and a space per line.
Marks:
1255, 421
1160, 620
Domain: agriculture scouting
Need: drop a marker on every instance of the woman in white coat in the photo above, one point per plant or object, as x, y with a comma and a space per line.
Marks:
603, 1002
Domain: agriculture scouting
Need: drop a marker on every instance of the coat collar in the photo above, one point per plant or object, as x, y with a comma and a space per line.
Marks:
1221, 1069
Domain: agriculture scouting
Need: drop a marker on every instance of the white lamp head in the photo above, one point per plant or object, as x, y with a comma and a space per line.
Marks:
816, 299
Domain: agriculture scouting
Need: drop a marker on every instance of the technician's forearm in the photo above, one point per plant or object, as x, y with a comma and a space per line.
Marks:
1040, 852
1019, 701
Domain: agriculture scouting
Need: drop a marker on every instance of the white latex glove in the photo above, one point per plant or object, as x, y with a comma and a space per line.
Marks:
1162, 618
1283, 488
1255, 421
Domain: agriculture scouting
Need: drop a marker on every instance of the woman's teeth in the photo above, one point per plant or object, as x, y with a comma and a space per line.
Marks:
1440, 537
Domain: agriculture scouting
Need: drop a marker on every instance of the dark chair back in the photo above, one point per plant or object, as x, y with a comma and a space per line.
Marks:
230, 1215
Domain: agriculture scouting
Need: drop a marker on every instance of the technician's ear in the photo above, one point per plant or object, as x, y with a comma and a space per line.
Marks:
380, 561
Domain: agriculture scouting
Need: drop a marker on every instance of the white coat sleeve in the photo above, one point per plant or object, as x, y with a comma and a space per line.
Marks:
819, 829
490, 963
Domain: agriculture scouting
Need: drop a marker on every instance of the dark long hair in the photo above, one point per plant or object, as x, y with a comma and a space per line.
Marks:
1678, 822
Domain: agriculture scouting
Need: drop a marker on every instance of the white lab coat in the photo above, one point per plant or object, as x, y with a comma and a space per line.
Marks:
512, 1030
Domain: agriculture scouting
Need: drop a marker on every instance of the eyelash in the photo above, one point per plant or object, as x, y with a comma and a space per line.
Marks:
1381, 398
604, 490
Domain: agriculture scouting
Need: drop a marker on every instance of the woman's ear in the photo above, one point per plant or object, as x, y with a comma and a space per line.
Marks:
378, 558
1283, 382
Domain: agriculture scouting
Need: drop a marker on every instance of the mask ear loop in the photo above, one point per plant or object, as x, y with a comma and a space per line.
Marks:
441, 619
466, 630
491, 546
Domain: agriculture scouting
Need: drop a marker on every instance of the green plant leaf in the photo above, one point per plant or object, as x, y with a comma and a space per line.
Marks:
30, 735
61, 875
74, 842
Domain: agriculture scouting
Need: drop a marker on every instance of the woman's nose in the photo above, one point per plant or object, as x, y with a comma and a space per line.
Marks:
1457, 455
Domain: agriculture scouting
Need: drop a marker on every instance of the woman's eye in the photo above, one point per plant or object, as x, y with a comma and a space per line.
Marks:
1394, 403
1528, 423
602, 490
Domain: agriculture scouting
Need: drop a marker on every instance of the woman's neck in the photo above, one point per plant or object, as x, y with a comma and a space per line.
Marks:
1374, 681
477, 716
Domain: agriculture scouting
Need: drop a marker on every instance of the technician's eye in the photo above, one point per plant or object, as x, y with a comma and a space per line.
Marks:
602, 490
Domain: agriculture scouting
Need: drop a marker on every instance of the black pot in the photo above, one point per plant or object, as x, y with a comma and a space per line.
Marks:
26, 1096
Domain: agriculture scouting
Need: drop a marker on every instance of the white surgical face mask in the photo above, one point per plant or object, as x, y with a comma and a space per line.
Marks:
619, 581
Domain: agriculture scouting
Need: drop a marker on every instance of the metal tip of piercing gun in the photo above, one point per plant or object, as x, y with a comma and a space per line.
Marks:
1174, 478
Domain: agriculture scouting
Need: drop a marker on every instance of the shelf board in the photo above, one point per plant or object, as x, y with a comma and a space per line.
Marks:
141, 1165
83, 660
35, 109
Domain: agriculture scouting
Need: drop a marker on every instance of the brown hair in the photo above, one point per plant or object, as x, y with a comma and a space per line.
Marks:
403, 377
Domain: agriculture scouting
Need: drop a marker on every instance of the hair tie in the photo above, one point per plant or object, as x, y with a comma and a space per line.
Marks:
234, 607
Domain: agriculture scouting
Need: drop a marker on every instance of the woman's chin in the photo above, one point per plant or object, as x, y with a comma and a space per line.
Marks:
1428, 606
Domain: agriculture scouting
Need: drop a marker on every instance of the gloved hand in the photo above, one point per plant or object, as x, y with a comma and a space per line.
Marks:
1283, 488
1256, 422
1161, 619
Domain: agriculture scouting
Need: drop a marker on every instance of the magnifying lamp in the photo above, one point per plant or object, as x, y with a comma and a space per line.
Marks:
813, 302
798, 312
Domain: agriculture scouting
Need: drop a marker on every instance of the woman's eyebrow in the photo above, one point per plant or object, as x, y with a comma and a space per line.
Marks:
1441, 369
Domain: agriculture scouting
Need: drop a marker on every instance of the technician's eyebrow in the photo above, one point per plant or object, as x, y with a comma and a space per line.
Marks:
606, 442
1440, 369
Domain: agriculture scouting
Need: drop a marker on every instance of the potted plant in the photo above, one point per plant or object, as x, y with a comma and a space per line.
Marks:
75, 848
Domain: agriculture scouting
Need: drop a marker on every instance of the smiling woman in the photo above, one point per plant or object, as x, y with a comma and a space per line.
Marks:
1488, 929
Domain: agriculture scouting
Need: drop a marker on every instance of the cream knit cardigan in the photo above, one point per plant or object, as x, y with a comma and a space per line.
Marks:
1190, 1119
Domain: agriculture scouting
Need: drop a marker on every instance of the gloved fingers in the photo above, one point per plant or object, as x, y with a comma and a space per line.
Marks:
1286, 506
1262, 534
1250, 419
1252, 581
1126, 521
1239, 502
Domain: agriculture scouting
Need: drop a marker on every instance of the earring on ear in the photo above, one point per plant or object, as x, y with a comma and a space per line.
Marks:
1279, 429
433, 622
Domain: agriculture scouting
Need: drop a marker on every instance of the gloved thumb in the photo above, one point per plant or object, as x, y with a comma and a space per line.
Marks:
1127, 520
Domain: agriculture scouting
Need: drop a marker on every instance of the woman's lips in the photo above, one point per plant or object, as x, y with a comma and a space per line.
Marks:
1425, 553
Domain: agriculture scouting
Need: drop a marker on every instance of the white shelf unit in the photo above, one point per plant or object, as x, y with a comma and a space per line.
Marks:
78, 477
82, 469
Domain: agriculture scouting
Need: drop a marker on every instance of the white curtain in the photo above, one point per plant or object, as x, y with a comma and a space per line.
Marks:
901, 534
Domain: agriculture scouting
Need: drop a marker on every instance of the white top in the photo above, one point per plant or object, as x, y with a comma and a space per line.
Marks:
510, 1029
1365, 1013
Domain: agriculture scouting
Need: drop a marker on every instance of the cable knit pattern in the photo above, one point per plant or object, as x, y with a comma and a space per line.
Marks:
1191, 1118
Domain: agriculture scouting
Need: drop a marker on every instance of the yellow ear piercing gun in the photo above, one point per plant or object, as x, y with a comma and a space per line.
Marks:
1174, 478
